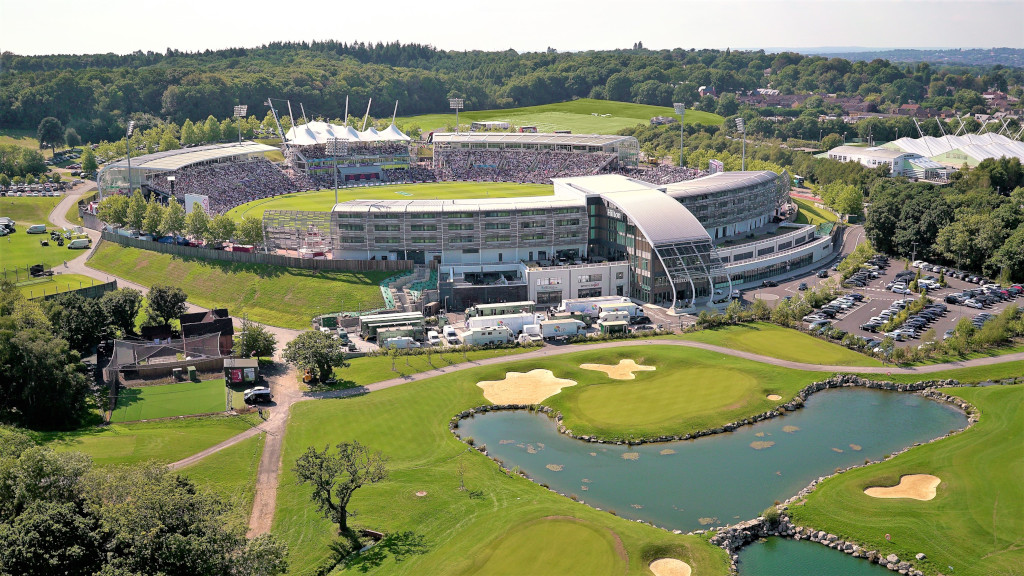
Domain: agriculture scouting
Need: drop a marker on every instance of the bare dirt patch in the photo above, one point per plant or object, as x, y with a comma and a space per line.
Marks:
621, 371
670, 567
916, 486
524, 388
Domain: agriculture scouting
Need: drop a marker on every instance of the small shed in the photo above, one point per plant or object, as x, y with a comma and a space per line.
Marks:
241, 370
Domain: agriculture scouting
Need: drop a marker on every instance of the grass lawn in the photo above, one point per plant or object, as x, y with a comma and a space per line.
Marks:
23, 138
167, 400
976, 520
37, 288
675, 399
20, 250
72, 213
286, 297
583, 116
323, 200
811, 214
449, 531
163, 441
783, 343
231, 475
27, 210
970, 375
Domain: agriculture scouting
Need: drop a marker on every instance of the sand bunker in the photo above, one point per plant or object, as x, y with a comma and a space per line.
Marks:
621, 371
519, 388
916, 486
774, 397
670, 567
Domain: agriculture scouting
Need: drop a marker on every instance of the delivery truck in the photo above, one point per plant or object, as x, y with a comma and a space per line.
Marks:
561, 328
513, 322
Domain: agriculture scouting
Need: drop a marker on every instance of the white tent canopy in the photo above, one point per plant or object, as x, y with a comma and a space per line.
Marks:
319, 132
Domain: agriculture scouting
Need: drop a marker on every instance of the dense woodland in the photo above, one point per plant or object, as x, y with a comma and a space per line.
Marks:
95, 93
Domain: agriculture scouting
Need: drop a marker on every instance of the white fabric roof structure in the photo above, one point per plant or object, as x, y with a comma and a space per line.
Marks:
319, 132
977, 146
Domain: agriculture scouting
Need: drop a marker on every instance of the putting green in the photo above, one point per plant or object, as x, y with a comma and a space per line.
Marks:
654, 401
539, 548
323, 200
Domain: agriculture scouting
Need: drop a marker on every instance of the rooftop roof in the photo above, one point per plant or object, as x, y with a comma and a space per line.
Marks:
876, 152
524, 203
661, 218
601, 183
528, 138
721, 182
977, 146
170, 160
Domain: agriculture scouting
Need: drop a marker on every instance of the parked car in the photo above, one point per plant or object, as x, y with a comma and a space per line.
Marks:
769, 283
257, 395
802, 286
822, 273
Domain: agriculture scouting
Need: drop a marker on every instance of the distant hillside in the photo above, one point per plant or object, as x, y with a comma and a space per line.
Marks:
1009, 57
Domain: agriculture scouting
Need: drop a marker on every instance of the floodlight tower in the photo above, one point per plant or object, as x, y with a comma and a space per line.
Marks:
681, 110
240, 112
128, 148
742, 129
336, 147
456, 104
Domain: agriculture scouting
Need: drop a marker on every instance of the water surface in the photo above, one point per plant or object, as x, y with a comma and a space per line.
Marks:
782, 557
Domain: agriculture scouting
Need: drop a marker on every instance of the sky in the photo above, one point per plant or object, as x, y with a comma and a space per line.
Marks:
123, 26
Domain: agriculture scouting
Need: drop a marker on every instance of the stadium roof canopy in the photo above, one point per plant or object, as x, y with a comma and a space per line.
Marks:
528, 138
460, 205
721, 182
977, 147
313, 133
171, 160
662, 219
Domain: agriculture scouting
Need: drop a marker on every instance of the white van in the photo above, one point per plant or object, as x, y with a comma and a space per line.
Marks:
36, 229
79, 244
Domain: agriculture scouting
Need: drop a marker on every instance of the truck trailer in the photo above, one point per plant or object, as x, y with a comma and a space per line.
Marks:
513, 322
561, 328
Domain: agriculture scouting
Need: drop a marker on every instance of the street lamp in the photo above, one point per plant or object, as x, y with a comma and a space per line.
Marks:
681, 110
336, 147
742, 129
128, 148
240, 112
456, 104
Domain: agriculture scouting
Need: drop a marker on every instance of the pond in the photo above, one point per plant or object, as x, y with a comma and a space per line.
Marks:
719, 479
783, 557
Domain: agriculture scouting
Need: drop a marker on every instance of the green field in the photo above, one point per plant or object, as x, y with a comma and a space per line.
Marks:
182, 399
231, 475
46, 285
674, 399
584, 116
975, 523
27, 210
163, 441
286, 297
72, 214
23, 138
783, 343
811, 214
370, 369
323, 200
449, 531
20, 250
1002, 371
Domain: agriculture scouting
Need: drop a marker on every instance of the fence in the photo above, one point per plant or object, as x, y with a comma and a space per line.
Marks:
94, 291
261, 258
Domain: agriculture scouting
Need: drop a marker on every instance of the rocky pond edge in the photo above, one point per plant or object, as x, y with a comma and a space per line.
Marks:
732, 538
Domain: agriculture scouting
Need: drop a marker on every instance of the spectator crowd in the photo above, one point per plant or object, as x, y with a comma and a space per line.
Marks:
229, 184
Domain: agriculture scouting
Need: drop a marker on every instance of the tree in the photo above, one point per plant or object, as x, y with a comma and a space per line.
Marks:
174, 218
849, 201
154, 219
254, 340
335, 476
113, 210
136, 211
71, 138
211, 129
222, 228
78, 320
831, 141
197, 223
89, 161
165, 303
169, 142
122, 308
250, 230
189, 134
315, 352
50, 133
4, 180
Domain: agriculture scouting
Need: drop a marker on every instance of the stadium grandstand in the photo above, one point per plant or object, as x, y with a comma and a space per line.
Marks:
366, 157
228, 174
955, 151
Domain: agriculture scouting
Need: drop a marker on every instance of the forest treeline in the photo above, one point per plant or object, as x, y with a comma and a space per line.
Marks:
95, 93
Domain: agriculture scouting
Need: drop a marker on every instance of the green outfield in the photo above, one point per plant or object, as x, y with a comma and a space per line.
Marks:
163, 441
185, 398
975, 523
47, 285
783, 343
500, 524
811, 214
28, 210
323, 200
231, 475
21, 250
286, 297
583, 116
